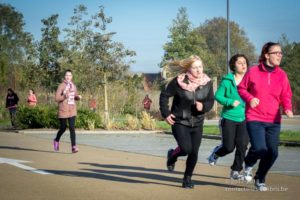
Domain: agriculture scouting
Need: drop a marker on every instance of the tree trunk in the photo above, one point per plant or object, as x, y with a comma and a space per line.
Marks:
105, 100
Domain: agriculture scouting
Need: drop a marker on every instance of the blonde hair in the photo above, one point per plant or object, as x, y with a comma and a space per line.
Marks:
176, 67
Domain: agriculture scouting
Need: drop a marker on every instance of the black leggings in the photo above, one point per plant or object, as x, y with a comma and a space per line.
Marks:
63, 126
188, 140
234, 136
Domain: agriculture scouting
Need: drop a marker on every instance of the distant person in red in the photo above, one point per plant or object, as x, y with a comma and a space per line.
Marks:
31, 98
93, 104
147, 102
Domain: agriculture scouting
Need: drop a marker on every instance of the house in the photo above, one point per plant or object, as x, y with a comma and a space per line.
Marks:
151, 81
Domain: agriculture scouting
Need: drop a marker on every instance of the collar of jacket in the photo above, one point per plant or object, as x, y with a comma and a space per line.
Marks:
263, 68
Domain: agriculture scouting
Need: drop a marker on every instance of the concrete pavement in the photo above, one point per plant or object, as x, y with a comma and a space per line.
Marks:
96, 173
158, 144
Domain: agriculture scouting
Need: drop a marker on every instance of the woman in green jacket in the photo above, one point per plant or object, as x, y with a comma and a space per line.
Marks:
232, 122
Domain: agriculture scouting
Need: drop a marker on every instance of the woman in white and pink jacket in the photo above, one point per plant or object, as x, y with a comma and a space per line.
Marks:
66, 95
265, 88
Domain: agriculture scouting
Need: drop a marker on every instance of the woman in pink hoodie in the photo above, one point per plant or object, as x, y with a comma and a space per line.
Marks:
265, 88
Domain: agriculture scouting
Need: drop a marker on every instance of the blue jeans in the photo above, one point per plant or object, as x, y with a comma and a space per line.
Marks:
264, 139
13, 116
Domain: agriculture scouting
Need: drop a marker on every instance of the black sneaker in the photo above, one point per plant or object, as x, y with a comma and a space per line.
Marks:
187, 182
169, 165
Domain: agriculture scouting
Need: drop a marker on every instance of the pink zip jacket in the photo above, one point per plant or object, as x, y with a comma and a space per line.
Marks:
271, 88
31, 99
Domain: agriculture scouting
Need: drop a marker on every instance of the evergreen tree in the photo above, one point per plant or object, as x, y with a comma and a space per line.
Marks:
184, 42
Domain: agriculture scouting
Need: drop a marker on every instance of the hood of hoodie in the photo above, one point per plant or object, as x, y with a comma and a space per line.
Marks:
227, 96
230, 77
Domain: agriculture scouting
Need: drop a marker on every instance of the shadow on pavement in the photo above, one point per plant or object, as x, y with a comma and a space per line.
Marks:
9, 130
129, 176
105, 175
24, 149
146, 169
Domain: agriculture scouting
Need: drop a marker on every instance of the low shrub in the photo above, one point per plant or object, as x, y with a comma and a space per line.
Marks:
112, 124
147, 121
132, 122
44, 116
4, 114
88, 119
37, 117
156, 115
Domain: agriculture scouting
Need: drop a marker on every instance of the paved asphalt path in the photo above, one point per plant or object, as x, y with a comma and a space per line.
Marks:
96, 173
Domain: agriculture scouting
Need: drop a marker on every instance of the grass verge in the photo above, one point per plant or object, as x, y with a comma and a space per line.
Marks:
285, 135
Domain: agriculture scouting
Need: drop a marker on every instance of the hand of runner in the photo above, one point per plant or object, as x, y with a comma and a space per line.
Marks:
170, 120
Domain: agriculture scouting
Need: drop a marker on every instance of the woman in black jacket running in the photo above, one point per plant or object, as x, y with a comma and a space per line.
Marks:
193, 96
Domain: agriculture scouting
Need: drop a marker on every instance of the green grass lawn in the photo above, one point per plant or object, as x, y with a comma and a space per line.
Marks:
293, 136
290, 136
5, 122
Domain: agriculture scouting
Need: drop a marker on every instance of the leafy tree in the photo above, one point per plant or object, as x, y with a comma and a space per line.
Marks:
97, 57
109, 57
181, 27
291, 63
209, 41
14, 46
292, 66
132, 85
31, 69
50, 52
92, 52
184, 41
77, 39
215, 33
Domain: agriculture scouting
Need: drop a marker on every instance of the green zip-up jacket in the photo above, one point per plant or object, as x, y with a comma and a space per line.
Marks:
226, 94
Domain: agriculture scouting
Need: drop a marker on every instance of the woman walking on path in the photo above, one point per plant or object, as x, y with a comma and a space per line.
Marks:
147, 103
66, 95
31, 98
193, 96
232, 122
265, 88
12, 100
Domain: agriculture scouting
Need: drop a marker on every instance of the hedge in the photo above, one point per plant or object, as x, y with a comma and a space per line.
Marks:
44, 116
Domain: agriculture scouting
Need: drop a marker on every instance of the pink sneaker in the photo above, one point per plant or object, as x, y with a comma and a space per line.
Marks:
55, 145
75, 149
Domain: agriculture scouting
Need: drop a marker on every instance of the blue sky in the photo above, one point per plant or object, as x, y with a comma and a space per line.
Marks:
142, 25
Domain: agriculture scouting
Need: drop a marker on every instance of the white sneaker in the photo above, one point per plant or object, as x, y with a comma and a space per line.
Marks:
235, 175
248, 174
212, 159
260, 186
